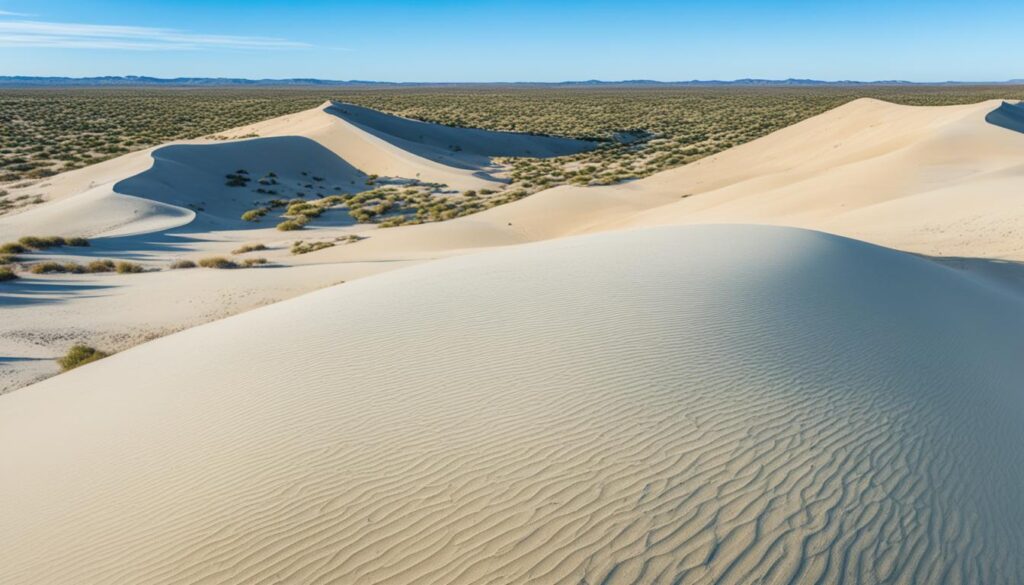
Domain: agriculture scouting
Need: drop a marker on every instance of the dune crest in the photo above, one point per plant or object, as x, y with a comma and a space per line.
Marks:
715, 404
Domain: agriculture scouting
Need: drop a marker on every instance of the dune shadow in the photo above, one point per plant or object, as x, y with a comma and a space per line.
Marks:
38, 291
220, 182
1007, 115
1007, 274
461, 148
14, 360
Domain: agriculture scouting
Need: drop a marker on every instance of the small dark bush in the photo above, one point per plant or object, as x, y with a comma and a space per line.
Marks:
124, 267
79, 355
217, 262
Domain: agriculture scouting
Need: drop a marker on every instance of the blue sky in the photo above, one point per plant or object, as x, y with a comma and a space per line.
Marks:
529, 40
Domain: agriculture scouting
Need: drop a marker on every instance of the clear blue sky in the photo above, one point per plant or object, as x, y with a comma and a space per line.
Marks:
528, 40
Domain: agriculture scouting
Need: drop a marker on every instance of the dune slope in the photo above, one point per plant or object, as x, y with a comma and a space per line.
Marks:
712, 404
194, 175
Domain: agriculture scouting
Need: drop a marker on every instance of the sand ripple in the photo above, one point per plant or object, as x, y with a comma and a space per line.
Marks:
712, 404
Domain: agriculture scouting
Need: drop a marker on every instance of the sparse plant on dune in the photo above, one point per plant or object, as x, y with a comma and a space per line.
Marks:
101, 266
28, 243
217, 262
13, 248
292, 224
300, 247
125, 267
51, 267
79, 355
182, 264
253, 262
255, 214
248, 248
7, 274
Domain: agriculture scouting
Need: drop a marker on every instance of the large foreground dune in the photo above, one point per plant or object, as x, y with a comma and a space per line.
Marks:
703, 404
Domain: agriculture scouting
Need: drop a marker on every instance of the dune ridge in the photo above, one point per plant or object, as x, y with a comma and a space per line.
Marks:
714, 404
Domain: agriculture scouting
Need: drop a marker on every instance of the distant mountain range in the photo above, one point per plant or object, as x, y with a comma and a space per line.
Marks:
137, 81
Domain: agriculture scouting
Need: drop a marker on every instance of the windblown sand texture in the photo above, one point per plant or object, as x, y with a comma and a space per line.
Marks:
589, 385
708, 404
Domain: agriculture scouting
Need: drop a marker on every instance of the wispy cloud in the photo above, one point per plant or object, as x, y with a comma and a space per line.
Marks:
37, 34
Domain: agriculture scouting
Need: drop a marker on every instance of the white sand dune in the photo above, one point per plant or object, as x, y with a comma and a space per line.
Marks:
194, 175
940, 181
98, 211
391, 146
340, 143
704, 404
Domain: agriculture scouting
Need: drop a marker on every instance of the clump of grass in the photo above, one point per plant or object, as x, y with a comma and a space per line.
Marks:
79, 355
101, 266
180, 264
255, 214
293, 224
300, 247
48, 267
250, 262
8, 259
249, 248
352, 238
7, 274
13, 248
38, 243
217, 262
124, 267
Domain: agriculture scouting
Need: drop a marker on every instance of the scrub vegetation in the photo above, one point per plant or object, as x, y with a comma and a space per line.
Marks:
642, 129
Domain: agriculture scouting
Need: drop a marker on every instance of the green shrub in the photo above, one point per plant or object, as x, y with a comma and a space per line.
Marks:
38, 243
124, 267
79, 355
12, 248
249, 248
254, 214
47, 267
101, 266
301, 247
217, 262
293, 224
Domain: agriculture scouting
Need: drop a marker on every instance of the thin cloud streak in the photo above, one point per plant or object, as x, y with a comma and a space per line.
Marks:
38, 34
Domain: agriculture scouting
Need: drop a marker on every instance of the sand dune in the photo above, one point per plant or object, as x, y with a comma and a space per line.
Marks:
390, 146
340, 143
194, 176
714, 404
940, 181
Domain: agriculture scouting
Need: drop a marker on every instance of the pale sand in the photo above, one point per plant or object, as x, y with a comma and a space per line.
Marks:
707, 404
941, 181
719, 404
142, 207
